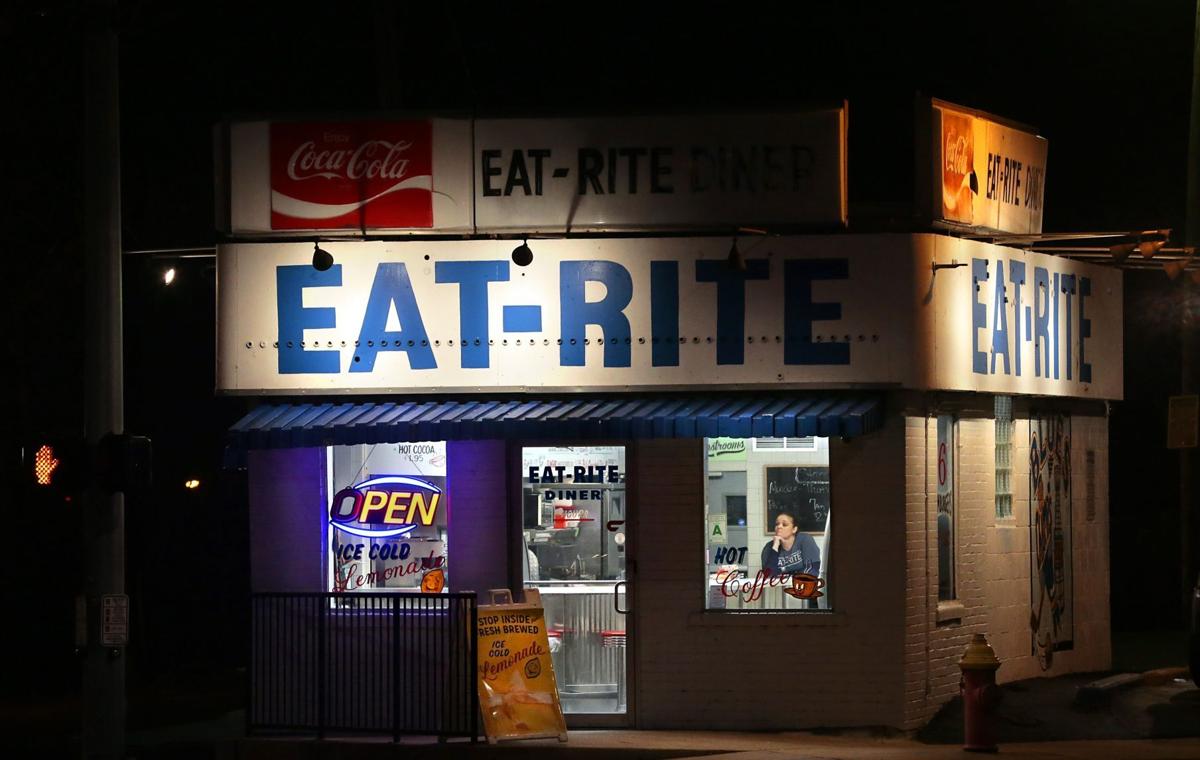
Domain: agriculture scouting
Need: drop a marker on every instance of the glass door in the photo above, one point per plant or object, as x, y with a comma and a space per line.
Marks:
573, 530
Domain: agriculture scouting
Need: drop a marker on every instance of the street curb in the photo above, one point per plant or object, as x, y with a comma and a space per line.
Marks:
1101, 690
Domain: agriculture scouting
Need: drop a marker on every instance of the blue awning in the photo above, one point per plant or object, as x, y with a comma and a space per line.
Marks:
738, 415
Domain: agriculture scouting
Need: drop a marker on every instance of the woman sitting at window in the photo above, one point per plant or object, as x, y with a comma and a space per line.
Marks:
790, 551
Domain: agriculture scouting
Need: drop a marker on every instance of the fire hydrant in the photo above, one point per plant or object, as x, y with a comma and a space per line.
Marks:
980, 695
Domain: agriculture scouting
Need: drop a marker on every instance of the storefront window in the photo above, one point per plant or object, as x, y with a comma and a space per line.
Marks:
574, 504
1004, 449
767, 517
387, 517
945, 506
574, 512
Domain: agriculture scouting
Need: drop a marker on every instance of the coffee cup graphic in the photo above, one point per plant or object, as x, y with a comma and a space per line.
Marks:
805, 586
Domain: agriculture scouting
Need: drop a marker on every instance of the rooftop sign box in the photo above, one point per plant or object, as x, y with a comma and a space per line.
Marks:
458, 176
657, 313
977, 171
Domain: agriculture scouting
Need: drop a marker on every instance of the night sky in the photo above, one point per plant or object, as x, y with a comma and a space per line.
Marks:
1108, 83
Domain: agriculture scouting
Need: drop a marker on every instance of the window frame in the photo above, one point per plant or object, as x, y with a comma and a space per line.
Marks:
952, 472
1003, 500
826, 573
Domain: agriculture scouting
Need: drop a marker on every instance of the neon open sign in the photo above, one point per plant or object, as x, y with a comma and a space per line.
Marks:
395, 503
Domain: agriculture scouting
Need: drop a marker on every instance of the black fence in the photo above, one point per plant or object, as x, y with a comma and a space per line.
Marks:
372, 662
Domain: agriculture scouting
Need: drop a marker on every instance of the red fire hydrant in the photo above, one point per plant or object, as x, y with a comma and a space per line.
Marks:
980, 695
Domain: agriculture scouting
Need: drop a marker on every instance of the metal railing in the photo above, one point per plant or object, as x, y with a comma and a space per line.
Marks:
370, 662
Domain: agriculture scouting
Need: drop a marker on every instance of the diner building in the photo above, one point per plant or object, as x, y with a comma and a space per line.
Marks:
762, 480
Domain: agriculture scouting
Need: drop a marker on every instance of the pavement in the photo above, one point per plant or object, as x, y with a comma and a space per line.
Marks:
653, 745
1156, 715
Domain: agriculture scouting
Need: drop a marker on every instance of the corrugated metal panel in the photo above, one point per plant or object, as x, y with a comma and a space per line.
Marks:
575, 417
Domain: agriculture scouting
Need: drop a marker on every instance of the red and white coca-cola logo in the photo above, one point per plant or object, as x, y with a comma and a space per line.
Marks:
958, 159
373, 159
351, 175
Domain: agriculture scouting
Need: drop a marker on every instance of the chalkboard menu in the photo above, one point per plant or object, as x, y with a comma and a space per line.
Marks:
802, 492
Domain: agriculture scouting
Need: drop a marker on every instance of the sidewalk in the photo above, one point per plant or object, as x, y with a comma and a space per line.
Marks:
651, 745
1038, 718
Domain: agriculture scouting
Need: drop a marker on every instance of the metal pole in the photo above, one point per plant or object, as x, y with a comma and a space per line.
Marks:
104, 513
1188, 337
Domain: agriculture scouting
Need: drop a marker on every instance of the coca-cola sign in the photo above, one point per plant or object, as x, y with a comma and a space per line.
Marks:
351, 175
958, 161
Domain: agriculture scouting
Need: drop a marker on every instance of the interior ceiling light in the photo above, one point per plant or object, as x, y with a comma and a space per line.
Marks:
322, 259
522, 255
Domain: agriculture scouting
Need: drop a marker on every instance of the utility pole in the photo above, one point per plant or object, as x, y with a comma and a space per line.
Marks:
104, 413
1188, 337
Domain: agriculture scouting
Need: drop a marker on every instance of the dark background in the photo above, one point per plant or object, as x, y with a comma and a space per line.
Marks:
1107, 82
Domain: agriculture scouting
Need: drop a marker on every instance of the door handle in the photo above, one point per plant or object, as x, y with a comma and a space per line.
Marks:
617, 598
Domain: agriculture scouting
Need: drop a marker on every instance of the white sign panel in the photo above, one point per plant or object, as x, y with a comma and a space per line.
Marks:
621, 314
718, 529
987, 174
597, 313
554, 175
114, 620
1009, 321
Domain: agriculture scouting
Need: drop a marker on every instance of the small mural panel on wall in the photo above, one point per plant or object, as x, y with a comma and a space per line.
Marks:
1051, 617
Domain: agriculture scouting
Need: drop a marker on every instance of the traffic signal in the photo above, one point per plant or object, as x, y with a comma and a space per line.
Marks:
44, 465
54, 464
66, 464
124, 463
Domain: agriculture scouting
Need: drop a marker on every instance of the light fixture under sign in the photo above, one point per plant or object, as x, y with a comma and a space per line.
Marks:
522, 255
322, 259
954, 264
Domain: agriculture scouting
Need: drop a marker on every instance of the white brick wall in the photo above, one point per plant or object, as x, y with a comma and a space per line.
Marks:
993, 561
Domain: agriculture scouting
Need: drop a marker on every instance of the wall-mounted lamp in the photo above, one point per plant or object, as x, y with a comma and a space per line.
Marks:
1176, 268
954, 264
1146, 243
522, 255
168, 275
322, 259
